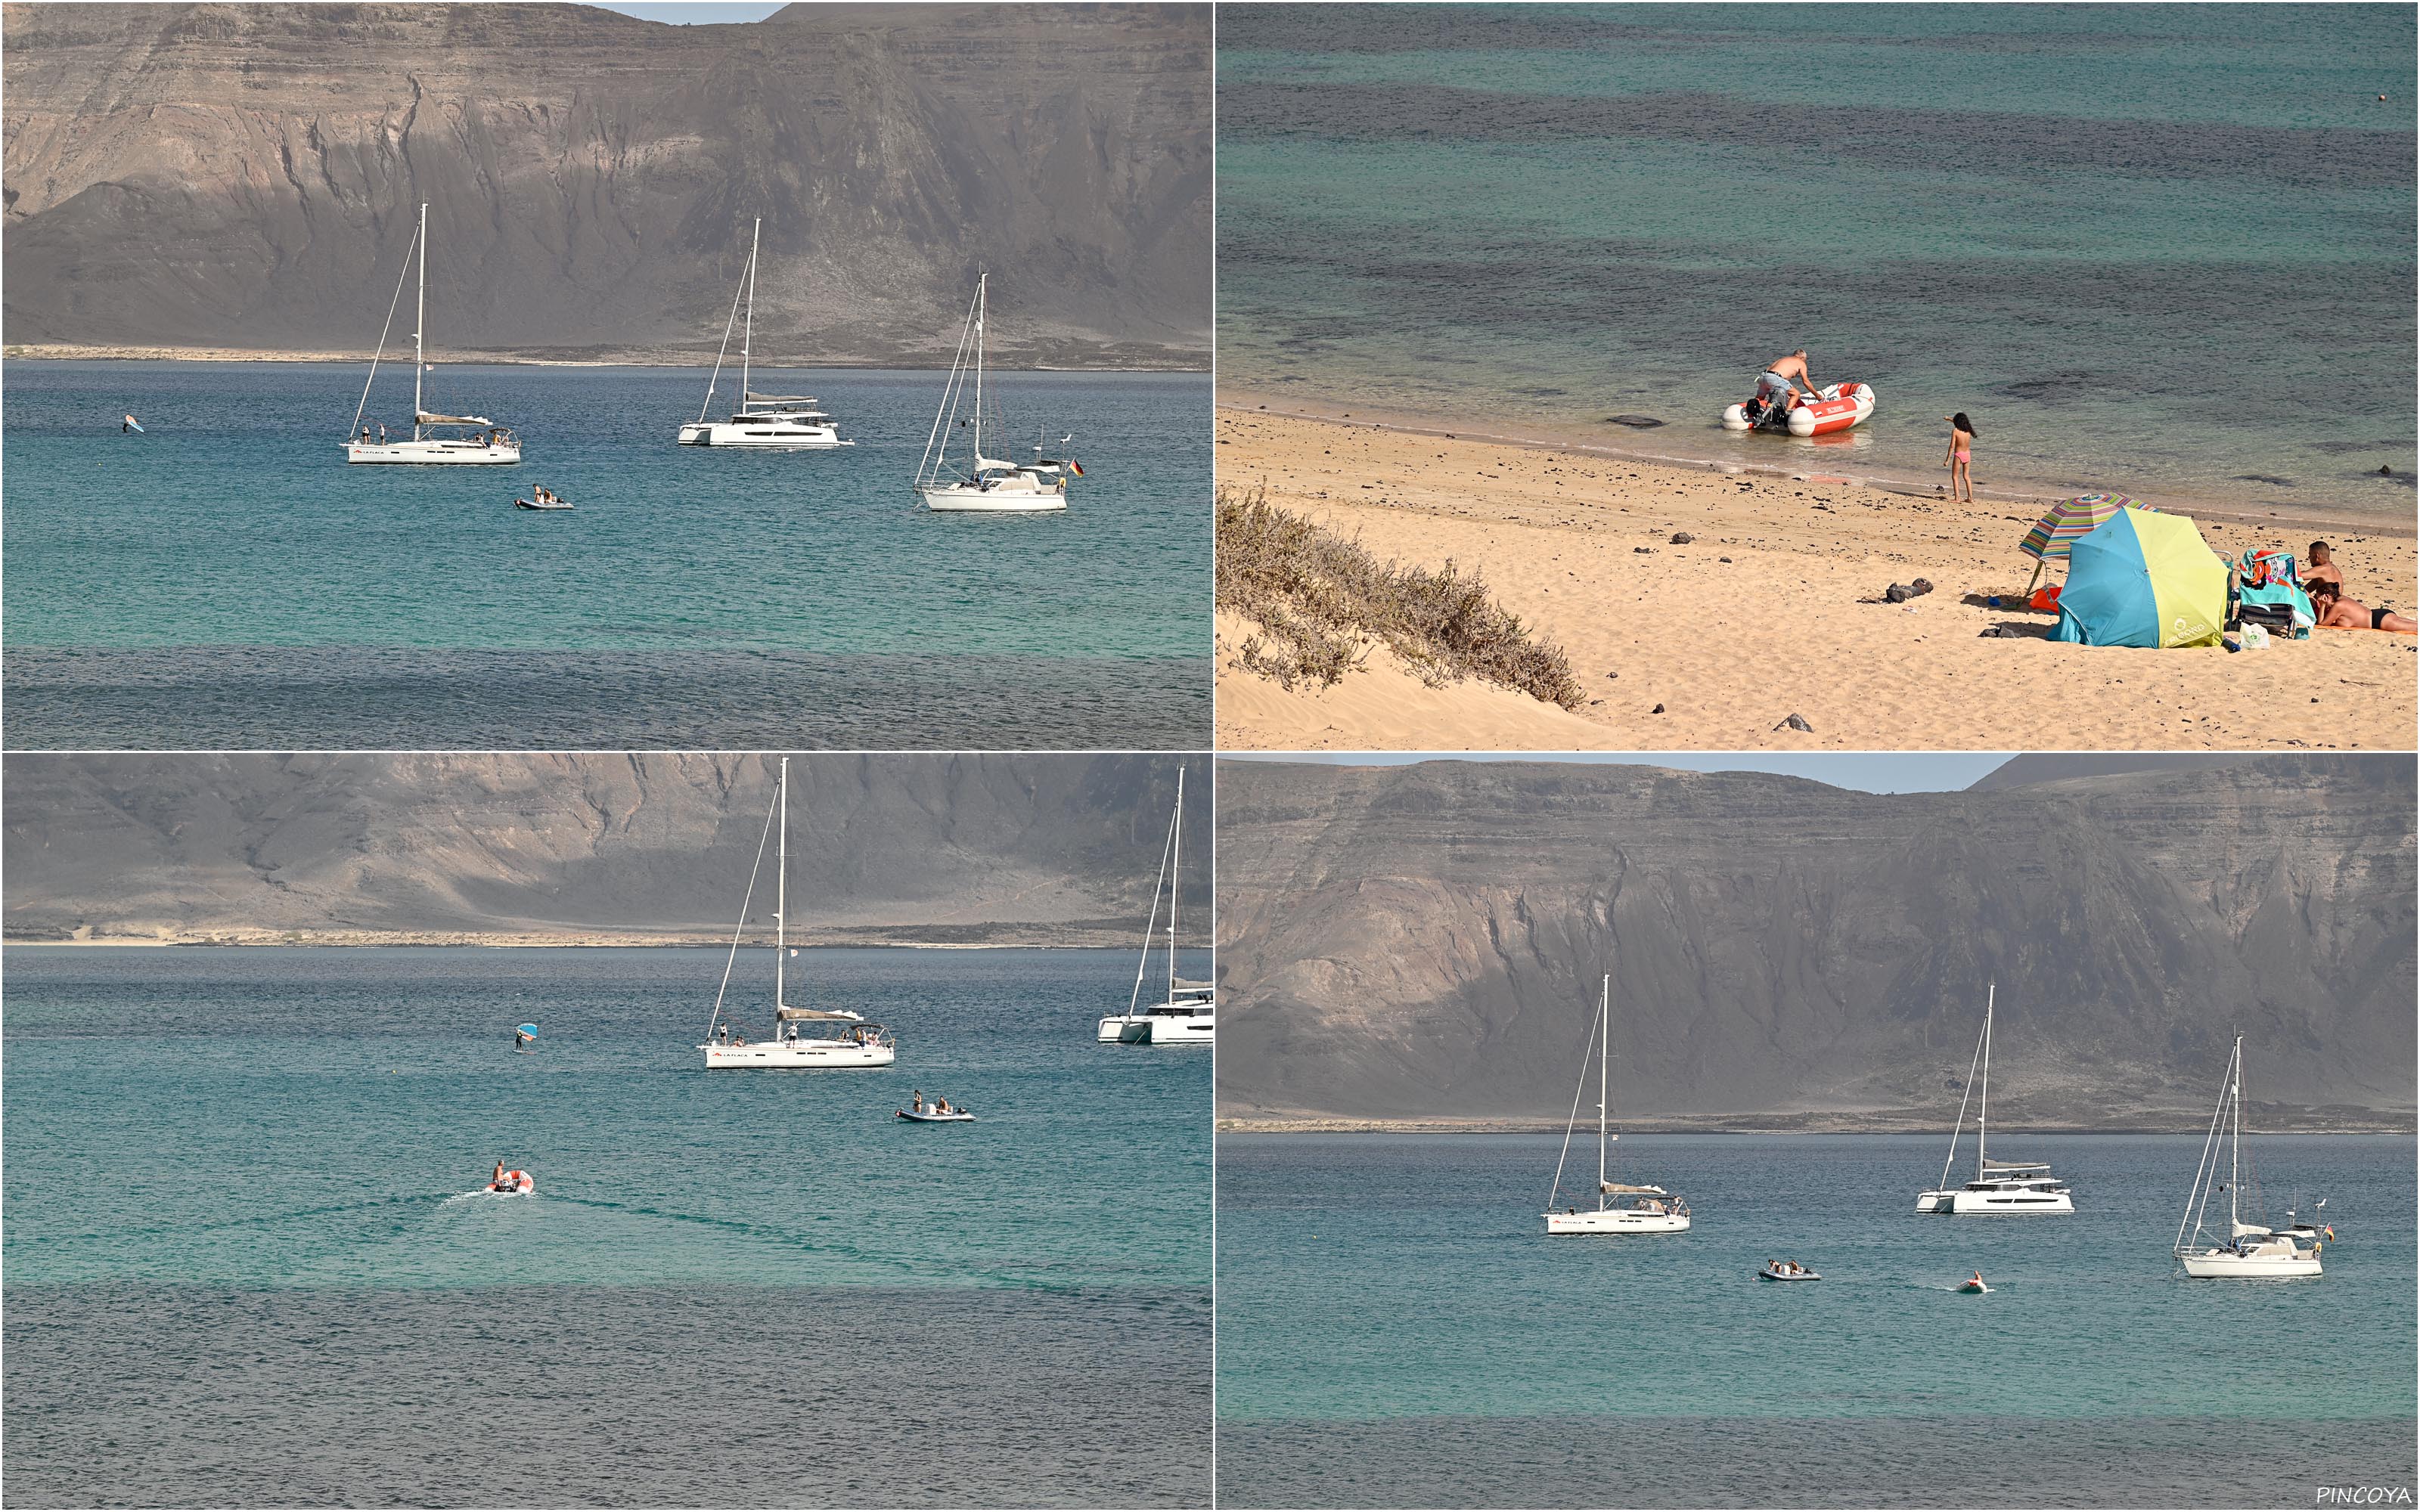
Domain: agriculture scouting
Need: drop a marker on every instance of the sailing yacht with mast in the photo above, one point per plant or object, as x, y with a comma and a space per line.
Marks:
981, 484
851, 1043
2252, 1251
1999, 1185
1188, 1015
463, 440
1620, 1208
773, 422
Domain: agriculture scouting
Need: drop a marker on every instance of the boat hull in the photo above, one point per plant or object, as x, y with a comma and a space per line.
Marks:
1617, 1221
2220, 1265
1970, 1204
762, 438
936, 1117
432, 453
1774, 1276
960, 499
1842, 407
1934, 1201
807, 1055
1161, 1029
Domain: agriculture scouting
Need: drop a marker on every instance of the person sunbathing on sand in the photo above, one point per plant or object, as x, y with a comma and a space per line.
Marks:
2341, 613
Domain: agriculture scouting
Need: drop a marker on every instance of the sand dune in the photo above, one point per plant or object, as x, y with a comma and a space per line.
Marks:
1775, 608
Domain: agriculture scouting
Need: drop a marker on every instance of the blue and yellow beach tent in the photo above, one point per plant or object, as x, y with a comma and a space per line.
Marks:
2141, 579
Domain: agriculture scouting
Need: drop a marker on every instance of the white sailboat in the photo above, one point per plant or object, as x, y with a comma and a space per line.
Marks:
2252, 1251
773, 422
1620, 1208
980, 484
472, 441
1999, 1185
1188, 1016
850, 1041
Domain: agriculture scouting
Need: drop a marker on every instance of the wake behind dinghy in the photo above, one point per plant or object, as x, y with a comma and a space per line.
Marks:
1837, 407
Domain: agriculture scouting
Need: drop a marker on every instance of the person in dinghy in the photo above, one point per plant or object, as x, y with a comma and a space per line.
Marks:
1780, 405
1780, 380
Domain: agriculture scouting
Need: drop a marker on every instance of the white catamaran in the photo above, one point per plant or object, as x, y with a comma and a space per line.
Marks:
776, 421
1188, 1016
2252, 1251
1620, 1208
471, 441
981, 484
851, 1041
1999, 1185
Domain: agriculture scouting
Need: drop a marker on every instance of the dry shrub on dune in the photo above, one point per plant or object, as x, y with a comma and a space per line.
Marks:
1320, 599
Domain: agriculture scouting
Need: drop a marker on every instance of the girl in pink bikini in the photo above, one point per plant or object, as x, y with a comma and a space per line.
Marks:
1961, 454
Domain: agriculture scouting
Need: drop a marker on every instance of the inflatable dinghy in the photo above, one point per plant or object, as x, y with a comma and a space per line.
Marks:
1972, 1288
1771, 1274
515, 1184
1837, 408
954, 1116
542, 504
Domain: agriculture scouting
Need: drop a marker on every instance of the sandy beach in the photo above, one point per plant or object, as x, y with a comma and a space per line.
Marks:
1774, 608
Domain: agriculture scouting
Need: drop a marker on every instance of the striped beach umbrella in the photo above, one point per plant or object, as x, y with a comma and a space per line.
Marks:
2069, 519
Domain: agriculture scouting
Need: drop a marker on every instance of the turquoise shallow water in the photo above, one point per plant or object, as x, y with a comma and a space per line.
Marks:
2165, 250
237, 1189
226, 578
1393, 1301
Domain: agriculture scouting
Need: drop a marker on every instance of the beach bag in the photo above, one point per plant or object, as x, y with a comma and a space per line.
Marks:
2046, 600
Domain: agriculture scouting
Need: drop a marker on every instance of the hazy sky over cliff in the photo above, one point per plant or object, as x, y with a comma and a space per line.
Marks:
1863, 772
695, 12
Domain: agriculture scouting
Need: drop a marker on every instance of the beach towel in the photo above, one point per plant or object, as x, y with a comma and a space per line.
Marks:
2269, 592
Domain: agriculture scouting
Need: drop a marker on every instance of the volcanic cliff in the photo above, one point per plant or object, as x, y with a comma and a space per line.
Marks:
942, 849
1425, 942
249, 176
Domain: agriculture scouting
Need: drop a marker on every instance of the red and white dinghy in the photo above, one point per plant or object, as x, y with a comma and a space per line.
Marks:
514, 1184
1839, 407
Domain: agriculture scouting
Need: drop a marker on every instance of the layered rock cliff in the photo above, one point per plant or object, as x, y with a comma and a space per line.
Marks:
1425, 942
248, 175
1051, 849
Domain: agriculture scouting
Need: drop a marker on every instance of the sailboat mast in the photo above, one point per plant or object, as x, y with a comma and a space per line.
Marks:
982, 309
1603, 1089
782, 898
420, 323
1983, 1111
747, 330
1175, 880
2235, 1152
